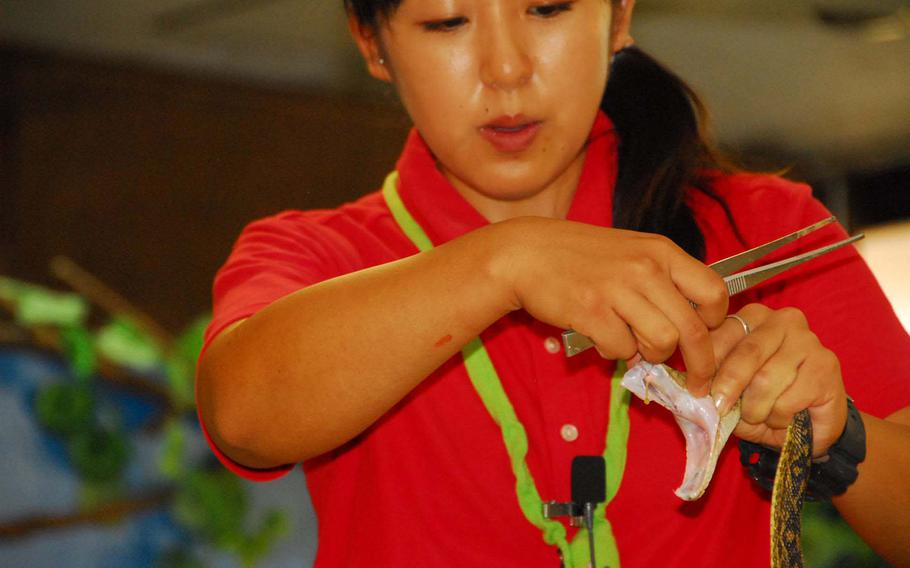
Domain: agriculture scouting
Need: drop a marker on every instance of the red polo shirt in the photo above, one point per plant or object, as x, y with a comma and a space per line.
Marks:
430, 484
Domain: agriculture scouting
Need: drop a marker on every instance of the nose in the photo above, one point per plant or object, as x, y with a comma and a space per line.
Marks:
505, 62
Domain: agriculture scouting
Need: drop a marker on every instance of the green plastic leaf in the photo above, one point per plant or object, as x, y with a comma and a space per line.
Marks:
79, 350
189, 344
96, 494
170, 462
178, 559
37, 306
180, 366
125, 344
65, 409
213, 504
11, 289
99, 455
180, 375
829, 541
276, 525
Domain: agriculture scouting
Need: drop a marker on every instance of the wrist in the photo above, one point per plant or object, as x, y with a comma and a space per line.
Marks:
503, 260
830, 474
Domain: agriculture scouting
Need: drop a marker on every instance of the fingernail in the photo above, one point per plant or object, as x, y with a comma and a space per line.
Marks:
720, 402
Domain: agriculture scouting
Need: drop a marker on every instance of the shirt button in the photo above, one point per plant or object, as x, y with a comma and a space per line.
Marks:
551, 344
569, 432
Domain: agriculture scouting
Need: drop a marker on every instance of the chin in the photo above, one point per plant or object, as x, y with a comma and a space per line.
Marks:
515, 182
511, 188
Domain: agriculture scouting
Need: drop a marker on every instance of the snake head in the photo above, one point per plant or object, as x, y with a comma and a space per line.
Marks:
705, 431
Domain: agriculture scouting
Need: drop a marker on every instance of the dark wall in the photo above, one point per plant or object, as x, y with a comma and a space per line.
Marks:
145, 178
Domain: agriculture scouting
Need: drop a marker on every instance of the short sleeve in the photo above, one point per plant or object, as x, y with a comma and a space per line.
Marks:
273, 257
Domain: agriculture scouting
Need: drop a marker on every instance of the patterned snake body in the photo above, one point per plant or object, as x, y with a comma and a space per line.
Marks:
706, 434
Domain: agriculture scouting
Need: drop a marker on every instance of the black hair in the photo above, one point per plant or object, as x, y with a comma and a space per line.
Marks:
664, 149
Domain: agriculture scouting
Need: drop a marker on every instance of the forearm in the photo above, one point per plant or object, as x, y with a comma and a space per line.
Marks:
316, 368
877, 506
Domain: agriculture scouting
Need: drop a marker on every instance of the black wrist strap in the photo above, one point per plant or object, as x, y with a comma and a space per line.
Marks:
830, 475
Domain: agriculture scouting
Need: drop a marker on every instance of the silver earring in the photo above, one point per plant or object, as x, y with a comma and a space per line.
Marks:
382, 61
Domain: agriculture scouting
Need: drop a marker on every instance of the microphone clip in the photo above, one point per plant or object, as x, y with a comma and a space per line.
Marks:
555, 510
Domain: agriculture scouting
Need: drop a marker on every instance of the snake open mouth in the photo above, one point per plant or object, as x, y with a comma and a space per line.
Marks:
705, 431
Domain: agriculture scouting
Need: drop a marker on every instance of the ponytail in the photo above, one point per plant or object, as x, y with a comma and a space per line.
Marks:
663, 151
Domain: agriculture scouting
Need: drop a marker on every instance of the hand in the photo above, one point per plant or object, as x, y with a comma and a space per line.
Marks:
628, 291
779, 369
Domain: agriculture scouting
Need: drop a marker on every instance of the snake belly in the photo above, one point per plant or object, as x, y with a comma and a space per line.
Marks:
706, 434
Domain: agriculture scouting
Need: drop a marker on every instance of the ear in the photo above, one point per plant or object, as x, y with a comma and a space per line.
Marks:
367, 39
621, 25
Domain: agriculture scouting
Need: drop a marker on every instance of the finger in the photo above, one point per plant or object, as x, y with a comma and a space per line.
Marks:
693, 336
817, 387
613, 338
745, 359
761, 395
725, 338
655, 334
760, 434
704, 287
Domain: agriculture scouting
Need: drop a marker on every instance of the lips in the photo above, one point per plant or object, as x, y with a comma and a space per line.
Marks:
511, 134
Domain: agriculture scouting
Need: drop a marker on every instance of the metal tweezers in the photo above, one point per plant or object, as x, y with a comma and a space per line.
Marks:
737, 282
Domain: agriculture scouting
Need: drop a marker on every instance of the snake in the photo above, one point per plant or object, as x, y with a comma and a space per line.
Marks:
706, 434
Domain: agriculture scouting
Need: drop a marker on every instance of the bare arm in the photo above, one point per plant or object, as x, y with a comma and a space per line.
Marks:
316, 368
877, 506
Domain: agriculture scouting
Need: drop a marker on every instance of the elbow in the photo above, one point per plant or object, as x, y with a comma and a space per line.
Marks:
224, 413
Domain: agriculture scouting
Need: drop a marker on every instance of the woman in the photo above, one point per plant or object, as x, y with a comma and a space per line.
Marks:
336, 343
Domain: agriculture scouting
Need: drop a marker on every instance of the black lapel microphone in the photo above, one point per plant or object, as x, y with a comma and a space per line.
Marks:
589, 487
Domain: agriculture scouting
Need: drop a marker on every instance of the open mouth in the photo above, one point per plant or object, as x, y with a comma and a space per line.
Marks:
511, 134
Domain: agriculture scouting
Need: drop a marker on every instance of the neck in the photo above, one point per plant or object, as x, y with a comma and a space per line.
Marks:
552, 200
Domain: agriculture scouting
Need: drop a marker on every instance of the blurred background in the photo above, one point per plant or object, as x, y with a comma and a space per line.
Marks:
137, 139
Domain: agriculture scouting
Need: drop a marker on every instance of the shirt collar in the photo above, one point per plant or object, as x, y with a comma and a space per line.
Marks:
444, 214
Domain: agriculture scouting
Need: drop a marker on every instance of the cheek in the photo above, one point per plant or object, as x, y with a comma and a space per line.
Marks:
435, 86
584, 53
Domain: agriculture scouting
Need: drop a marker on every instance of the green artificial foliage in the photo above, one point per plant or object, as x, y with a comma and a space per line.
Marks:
828, 541
125, 344
170, 461
178, 559
65, 409
79, 350
96, 494
10, 290
99, 455
180, 365
180, 374
189, 344
37, 306
213, 504
274, 526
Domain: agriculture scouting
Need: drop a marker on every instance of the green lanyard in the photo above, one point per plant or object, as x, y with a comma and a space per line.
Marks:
489, 387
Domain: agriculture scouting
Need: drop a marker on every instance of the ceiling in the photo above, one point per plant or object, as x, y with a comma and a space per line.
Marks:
829, 79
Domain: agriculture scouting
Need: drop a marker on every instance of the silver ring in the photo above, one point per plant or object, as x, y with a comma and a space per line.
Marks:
742, 322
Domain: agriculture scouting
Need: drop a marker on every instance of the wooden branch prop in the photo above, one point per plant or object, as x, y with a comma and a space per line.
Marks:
47, 339
100, 294
113, 511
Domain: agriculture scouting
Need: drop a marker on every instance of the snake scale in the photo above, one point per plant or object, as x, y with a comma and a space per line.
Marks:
789, 493
706, 434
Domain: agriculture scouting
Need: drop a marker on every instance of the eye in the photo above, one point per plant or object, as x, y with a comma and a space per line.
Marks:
446, 25
550, 10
